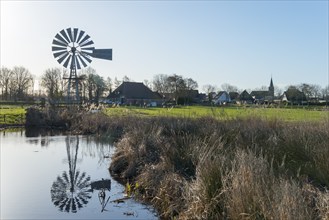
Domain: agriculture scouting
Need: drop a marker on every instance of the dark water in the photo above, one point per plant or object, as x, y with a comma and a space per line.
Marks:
49, 177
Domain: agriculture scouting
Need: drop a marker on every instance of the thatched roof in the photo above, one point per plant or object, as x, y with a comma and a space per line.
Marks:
134, 90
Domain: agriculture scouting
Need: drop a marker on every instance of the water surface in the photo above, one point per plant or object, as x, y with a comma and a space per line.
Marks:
48, 177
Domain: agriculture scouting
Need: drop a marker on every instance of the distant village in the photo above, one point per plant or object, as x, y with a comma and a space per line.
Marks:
136, 93
19, 85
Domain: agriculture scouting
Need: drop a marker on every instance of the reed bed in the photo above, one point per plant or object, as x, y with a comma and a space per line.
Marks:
247, 168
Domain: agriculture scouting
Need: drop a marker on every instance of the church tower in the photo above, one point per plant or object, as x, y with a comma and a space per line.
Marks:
271, 88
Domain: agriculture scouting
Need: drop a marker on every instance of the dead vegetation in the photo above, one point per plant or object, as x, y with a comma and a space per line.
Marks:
234, 169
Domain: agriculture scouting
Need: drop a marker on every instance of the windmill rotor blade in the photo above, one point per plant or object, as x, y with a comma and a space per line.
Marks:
84, 39
85, 55
60, 38
77, 62
86, 43
75, 34
87, 48
82, 61
67, 61
60, 60
58, 43
57, 54
80, 36
69, 31
65, 35
105, 54
58, 48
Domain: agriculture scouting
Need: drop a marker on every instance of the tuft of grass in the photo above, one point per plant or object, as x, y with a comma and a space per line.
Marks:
253, 191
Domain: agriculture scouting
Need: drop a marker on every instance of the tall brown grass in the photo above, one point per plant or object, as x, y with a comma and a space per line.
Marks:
232, 169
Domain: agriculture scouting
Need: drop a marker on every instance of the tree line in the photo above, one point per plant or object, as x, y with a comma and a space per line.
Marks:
18, 84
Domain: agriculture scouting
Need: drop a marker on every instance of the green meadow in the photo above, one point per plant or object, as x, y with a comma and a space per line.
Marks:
11, 114
285, 114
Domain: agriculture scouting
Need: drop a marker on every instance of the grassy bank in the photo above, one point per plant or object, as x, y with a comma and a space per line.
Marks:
246, 168
11, 115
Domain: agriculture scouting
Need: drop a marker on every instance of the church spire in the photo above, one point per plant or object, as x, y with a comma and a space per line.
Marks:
271, 88
271, 83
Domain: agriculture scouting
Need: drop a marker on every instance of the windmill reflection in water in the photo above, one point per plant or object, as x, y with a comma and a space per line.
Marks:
71, 191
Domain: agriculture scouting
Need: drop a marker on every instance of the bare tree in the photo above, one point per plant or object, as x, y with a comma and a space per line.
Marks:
5, 78
325, 94
262, 88
109, 84
209, 89
160, 83
147, 83
229, 88
190, 84
126, 79
94, 84
117, 82
176, 85
51, 80
89, 81
310, 90
317, 90
100, 87
22, 80
278, 91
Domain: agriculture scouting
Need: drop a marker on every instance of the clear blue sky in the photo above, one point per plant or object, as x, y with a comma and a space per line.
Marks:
241, 43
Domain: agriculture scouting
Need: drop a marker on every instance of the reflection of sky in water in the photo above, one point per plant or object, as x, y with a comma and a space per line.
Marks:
30, 166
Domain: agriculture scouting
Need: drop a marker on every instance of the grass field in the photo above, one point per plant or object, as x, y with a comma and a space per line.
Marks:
11, 114
285, 114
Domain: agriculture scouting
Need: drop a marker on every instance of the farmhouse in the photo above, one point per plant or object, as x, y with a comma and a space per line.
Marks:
293, 96
135, 93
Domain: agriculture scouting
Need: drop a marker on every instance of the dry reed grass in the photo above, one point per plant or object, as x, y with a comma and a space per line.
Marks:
233, 169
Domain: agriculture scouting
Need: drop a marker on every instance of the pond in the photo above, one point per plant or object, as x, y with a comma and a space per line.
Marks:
59, 177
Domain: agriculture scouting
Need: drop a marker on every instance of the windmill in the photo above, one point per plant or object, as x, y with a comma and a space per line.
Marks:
74, 49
